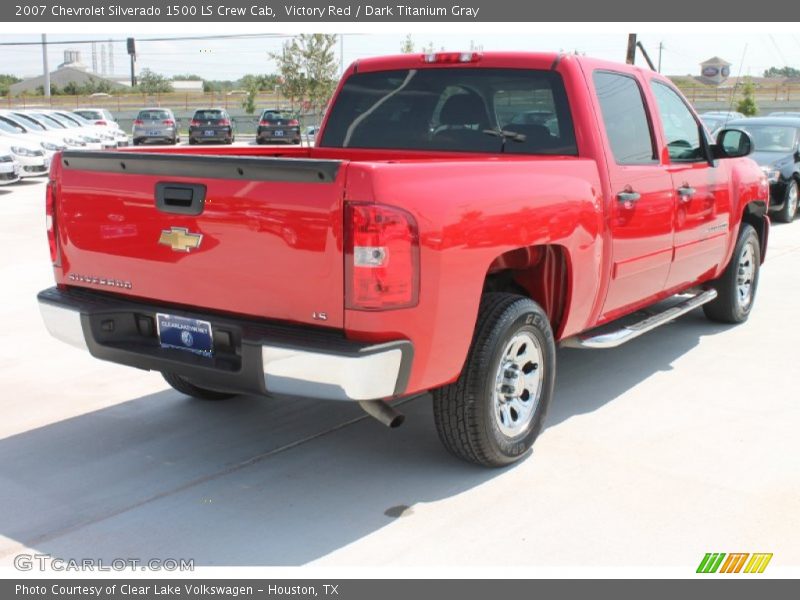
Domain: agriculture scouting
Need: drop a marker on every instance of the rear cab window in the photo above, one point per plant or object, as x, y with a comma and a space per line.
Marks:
519, 111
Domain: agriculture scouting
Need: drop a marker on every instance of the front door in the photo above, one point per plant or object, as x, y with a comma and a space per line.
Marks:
642, 211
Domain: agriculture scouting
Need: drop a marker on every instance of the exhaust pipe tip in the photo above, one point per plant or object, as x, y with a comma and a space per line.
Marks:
383, 413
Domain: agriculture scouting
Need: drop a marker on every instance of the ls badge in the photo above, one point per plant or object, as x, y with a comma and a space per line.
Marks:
179, 239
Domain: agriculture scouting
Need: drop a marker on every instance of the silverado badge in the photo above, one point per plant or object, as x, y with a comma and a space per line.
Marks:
179, 239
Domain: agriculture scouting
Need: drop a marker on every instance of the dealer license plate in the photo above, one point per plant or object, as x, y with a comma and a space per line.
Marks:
181, 333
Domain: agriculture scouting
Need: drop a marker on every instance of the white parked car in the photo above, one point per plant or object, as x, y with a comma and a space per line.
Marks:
32, 158
94, 140
10, 135
57, 139
116, 134
9, 167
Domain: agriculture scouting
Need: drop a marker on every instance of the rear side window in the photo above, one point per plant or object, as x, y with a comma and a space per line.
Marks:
624, 118
153, 115
208, 115
521, 111
92, 115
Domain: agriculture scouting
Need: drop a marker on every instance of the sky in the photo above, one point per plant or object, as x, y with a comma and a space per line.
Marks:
749, 53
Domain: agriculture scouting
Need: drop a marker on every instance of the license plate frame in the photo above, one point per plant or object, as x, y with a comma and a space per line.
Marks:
209, 132
186, 334
278, 133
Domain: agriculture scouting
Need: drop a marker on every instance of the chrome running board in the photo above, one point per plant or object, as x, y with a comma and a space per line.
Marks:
612, 339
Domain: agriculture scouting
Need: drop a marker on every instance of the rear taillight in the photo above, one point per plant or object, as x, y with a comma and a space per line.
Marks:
294, 122
50, 219
168, 122
225, 123
381, 257
194, 123
138, 122
101, 122
264, 122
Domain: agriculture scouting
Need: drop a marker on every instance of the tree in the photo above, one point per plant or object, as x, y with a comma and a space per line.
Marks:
186, 77
308, 68
152, 83
249, 102
407, 47
5, 83
747, 105
782, 72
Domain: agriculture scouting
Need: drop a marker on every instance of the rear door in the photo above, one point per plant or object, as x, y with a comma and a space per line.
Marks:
641, 215
702, 193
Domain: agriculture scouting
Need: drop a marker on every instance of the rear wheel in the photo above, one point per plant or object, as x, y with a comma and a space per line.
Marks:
736, 287
192, 141
184, 386
786, 214
495, 410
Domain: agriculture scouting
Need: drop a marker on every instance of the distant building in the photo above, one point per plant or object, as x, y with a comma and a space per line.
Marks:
714, 71
189, 86
70, 71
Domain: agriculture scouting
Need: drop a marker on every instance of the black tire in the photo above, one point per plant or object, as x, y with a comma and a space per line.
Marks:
731, 305
192, 141
136, 142
467, 412
786, 214
182, 385
259, 141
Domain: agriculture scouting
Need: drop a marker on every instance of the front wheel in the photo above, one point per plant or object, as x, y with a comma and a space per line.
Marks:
736, 287
184, 386
493, 412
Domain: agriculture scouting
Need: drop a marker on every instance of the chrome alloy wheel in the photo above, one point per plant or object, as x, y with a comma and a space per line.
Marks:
744, 276
518, 384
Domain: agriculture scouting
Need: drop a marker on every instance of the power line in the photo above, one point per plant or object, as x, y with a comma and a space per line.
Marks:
158, 39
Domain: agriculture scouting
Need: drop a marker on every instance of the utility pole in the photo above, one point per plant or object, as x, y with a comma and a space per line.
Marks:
660, 48
45, 67
341, 54
630, 55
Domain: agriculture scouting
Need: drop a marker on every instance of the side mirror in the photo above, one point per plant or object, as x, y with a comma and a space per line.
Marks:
732, 143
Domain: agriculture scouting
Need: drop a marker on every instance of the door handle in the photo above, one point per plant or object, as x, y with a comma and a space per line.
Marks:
685, 193
628, 196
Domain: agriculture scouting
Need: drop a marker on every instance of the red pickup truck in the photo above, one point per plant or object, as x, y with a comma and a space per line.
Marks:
460, 216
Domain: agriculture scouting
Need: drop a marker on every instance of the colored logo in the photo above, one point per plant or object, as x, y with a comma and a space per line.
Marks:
736, 562
187, 338
179, 239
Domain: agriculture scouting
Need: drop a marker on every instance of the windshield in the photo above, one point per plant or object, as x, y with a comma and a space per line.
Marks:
456, 109
77, 120
771, 138
55, 121
89, 114
35, 125
9, 128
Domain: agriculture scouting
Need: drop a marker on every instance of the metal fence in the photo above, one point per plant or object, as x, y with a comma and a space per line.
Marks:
132, 102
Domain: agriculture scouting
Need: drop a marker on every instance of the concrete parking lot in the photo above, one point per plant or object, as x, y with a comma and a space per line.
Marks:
683, 442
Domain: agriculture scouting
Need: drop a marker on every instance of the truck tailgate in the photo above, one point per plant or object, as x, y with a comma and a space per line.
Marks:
253, 236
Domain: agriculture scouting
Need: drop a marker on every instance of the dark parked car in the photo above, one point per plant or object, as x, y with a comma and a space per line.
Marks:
278, 125
775, 143
157, 124
211, 125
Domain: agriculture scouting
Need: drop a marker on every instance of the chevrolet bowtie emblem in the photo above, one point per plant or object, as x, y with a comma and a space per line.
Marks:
179, 239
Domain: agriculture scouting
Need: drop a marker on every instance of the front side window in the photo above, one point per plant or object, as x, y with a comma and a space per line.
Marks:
519, 111
680, 128
625, 118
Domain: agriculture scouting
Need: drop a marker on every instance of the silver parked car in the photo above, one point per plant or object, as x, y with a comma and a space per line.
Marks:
155, 124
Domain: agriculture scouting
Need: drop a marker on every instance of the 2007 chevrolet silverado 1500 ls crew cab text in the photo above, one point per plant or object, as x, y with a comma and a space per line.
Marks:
460, 215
